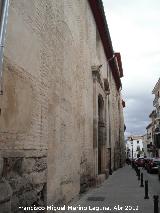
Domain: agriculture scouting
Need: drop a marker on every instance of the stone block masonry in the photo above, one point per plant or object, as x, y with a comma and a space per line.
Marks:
22, 183
61, 121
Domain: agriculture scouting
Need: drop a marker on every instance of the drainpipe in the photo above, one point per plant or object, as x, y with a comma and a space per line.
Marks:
3, 25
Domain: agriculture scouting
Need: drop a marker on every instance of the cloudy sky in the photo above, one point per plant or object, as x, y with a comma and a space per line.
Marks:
135, 32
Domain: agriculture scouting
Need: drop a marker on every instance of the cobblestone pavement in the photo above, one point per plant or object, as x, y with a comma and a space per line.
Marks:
121, 192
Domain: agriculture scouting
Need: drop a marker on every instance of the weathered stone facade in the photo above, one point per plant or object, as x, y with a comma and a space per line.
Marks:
23, 182
61, 111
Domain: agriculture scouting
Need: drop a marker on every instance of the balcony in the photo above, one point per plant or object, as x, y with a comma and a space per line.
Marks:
148, 136
150, 147
157, 140
158, 116
156, 102
157, 130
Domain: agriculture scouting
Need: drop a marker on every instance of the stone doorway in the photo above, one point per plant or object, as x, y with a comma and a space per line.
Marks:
100, 132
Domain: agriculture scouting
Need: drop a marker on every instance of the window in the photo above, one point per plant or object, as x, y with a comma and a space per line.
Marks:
137, 141
138, 149
98, 45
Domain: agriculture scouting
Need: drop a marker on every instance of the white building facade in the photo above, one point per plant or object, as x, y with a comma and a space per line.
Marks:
134, 143
156, 104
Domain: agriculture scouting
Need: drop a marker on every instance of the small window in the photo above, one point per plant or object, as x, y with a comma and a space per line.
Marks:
138, 149
137, 141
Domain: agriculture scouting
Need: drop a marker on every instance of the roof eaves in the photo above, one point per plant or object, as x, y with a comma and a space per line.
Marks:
102, 26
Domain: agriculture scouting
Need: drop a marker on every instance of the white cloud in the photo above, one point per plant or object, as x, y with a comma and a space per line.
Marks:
135, 32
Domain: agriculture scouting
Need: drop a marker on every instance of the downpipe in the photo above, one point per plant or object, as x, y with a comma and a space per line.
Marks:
3, 26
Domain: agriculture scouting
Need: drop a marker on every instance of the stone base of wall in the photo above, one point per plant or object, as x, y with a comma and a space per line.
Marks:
107, 173
100, 179
22, 183
87, 182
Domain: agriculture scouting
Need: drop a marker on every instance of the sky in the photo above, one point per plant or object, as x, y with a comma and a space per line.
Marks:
135, 32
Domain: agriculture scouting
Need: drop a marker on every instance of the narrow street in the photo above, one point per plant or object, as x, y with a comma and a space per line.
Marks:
121, 192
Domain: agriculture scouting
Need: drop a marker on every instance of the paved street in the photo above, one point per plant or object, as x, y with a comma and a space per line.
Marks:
119, 193
153, 181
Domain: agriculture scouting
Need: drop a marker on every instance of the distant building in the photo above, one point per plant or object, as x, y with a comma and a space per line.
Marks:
153, 129
148, 138
147, 145
156, 130
135, 142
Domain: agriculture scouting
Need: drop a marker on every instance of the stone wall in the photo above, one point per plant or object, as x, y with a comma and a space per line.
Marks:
22, 183
47, 104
